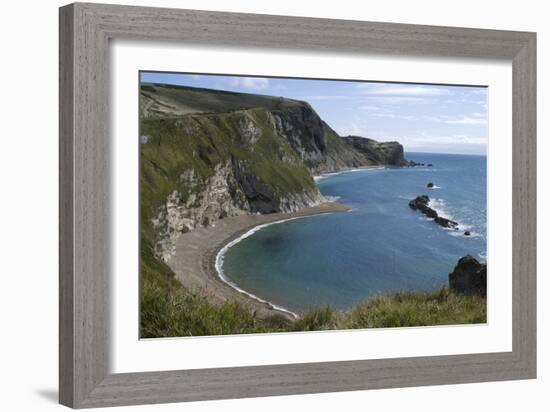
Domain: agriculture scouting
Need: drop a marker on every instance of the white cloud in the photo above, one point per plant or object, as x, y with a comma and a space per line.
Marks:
403, 90
472, 119
254, 83
397, 116
468, 120
395, 100
478, 90
420, 141
444, 144
325, 97
432, 119
452, 139
352, 129
482, 103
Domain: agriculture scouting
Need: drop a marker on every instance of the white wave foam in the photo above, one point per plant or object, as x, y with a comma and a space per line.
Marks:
435, 187
341, 172
483, 255
440, 206
220, 258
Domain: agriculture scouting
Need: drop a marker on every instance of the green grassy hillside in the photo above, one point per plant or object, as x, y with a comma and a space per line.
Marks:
260, 167
158, 100
168, 309
200, 142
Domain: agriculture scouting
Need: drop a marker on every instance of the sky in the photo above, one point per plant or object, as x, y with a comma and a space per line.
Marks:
424, 118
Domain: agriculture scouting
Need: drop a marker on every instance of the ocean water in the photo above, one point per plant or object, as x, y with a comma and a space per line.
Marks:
380, 246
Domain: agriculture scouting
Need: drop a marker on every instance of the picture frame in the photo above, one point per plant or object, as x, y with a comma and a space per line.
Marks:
85, 33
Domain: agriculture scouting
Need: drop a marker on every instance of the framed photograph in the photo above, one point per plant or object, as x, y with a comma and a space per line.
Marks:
256, 205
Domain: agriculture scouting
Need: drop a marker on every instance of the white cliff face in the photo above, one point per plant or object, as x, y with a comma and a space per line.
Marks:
249, 130
293, 203
222, 196
169, 223
199, 209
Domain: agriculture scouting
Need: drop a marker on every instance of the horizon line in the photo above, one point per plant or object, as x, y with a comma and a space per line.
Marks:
447, 153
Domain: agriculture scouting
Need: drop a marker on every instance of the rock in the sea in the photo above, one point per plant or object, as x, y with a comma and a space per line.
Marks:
448, 223
430, 165
430, 185
467, 233
421, 203
469, 277
429, 212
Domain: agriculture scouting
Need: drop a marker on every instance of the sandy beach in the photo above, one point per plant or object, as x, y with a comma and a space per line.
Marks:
196, 251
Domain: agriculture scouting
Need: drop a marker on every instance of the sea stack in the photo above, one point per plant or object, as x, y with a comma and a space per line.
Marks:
421, 203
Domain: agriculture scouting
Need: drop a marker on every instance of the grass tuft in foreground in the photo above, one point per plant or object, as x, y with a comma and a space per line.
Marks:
441, 307
169, 310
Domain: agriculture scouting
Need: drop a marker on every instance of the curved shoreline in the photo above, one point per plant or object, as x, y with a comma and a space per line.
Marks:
220, 257
325, 175
196, 257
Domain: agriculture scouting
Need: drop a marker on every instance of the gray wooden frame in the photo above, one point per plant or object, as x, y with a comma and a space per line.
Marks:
85, 31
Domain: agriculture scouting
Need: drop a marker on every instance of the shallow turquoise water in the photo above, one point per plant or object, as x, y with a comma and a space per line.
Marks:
380, 246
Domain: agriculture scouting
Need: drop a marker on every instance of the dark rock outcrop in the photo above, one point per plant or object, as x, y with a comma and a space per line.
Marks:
469, 277
447, 223
467, 233
383, 153
322, 150
430, 185
259, 196
422, 203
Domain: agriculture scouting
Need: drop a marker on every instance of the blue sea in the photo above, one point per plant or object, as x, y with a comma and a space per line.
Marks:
380, 246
